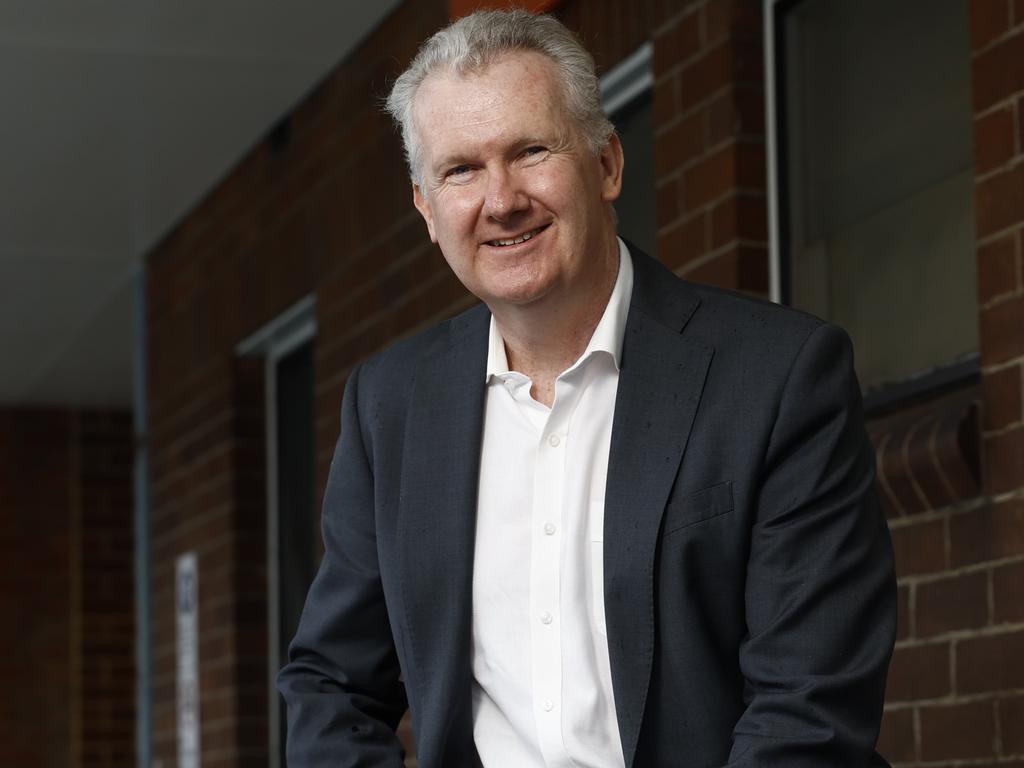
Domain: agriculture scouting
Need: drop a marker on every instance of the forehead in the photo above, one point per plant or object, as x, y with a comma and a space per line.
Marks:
518, 88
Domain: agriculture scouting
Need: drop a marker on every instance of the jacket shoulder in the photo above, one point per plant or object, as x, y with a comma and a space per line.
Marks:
733, 311
398, 361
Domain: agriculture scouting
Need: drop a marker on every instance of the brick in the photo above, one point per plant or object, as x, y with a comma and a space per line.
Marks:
920, 547
994, 139
999, 201
1004, 460
740, 269
958, 732
957, 447
739, 18
919, 672
987, 533
903, 625
1020, 125
1004, 393
957, 602
685, 242
998, 269
896, 742
680, 144
737, 113
1008, 593
989, 20
893, 471
710, 179
998, 72
990, 663
1000, 329
665, 101
713, 71
739, 217
1011, 724
919, 463
677, 43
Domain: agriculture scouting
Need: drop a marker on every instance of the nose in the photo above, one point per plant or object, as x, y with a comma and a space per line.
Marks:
504, 196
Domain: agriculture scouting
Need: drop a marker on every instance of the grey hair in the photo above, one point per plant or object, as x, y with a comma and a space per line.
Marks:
474, 42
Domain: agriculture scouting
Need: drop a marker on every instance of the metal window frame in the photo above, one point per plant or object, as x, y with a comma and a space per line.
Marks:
275, 341
771, 107
628, 79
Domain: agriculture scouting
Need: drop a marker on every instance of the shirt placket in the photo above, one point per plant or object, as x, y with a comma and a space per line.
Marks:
545, 582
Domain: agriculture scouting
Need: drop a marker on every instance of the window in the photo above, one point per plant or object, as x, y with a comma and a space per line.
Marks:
286, 344
874, 177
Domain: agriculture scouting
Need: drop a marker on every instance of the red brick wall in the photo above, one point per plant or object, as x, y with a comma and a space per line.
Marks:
66, 655
36, 468
106, 633
709, 144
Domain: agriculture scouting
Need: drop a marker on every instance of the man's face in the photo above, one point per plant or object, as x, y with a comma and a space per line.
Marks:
510, 189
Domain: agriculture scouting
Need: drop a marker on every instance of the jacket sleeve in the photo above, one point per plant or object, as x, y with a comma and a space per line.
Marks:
820, 588
341, 684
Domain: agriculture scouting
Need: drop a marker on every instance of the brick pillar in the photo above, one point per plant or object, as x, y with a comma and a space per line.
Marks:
35, 591
66, 656
209, 497
990, 667
105, 558
709, 144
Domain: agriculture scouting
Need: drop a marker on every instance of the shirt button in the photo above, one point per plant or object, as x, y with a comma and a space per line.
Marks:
553, 441
548, 705
549, 529
546, 618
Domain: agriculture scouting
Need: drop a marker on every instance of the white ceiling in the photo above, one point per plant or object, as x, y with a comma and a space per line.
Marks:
120, 115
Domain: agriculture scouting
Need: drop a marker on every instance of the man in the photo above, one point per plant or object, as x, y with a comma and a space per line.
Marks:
607, 518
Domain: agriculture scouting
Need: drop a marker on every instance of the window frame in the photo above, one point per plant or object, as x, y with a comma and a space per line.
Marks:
277, 339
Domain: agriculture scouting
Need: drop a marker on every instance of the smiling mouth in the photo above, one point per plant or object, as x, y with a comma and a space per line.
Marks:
504, 243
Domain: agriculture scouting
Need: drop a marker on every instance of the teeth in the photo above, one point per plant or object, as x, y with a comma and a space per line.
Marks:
517, 240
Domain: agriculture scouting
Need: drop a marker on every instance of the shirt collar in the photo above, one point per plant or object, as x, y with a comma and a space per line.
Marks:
608, 334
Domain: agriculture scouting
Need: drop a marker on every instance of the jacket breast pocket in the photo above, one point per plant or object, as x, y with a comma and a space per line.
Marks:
692, 508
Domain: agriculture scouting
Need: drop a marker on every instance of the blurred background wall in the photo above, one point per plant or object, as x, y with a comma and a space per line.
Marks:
224, 229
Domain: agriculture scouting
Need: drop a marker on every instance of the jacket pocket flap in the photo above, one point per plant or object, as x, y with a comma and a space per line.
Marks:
684, 511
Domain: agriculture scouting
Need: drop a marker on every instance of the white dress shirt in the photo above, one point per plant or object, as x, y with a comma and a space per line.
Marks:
542, 688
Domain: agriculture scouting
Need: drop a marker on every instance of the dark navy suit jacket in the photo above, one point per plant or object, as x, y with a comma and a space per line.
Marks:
749, 589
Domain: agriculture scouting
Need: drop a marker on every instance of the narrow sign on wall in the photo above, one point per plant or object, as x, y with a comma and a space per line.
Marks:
186, 598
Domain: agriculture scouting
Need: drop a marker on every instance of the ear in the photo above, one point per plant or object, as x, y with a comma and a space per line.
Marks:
423, 206
612, 163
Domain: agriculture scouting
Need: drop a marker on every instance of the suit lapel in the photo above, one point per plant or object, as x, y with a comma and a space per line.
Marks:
660, 384
437, 519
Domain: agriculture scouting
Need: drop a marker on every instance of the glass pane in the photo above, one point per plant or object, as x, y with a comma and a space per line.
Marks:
296, 524
878, 168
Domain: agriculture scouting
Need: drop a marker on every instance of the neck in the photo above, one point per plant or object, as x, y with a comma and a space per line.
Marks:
545, 338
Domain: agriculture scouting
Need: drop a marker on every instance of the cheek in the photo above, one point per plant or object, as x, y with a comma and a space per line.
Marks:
553, 187
459, 217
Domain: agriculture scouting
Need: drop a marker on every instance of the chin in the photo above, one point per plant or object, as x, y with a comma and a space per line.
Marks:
517, 288
517, 295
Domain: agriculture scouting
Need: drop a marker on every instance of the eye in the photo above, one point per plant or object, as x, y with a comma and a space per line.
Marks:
530, 151
456, 171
